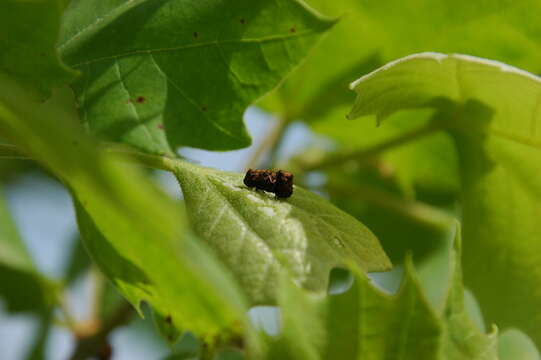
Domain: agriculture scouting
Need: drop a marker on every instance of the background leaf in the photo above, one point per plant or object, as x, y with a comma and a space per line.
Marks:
513, 344
383, 31
463, 339
18, 275
491, 110
256, 234
184, 66
302, 333
366, 323
28, 35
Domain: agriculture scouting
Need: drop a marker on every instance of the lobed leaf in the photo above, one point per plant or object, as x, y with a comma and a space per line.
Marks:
365, 323
386, 30
169, 73
256, 234
491, 109
368, 323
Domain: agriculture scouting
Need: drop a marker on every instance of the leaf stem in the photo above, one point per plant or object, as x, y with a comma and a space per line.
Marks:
89, 345
419, 212
271, 143
8, 151
98, 281
365, 154
69, 320
161, 162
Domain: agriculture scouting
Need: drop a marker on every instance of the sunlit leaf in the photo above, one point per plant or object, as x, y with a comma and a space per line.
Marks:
371, 33
256, 234
366, 323
491, 109
161, 74
513, 344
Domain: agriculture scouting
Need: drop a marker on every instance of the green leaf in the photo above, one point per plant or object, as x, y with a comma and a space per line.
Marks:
256, 234
514, 345
133, 231
18, 275
12, 250
78, 261
302, 331
166, 328
28, 35
373, 32
491, 110
387, 30
463, 339
188, 67
366, 323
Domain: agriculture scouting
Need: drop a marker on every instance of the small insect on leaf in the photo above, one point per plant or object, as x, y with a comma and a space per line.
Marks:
284, 184
279, 183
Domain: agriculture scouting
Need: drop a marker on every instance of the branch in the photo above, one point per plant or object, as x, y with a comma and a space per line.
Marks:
271, 142
8, 151
419, 212
365, 154
89, 345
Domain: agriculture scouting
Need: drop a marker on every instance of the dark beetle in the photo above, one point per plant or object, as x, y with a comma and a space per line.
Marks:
260, 179
279, 183
284, 184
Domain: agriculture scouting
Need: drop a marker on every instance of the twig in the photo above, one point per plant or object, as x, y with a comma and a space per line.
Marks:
8, 151
99, 286
366, 154
414, 210
270, 143
69, 320
153, 161
88, 345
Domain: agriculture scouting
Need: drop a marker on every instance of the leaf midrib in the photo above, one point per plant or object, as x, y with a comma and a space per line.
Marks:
270, 38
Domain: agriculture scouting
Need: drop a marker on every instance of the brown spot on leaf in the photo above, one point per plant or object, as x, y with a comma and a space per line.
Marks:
195, 35
169, 319
242, 21
140, 100
204, 108
160, 126
293, 29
